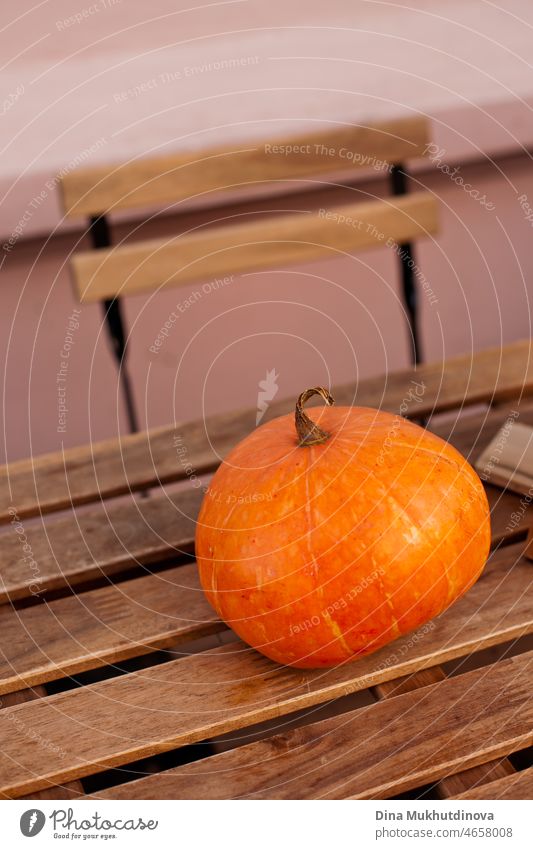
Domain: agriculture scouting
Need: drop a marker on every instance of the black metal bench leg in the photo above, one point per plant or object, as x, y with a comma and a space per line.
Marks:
115, 325
407, 264
101, 238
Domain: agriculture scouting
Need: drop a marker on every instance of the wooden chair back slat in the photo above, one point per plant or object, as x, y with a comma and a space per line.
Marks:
164, 179
276, 241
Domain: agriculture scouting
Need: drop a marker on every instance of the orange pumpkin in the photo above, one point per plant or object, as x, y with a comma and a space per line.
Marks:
322, 542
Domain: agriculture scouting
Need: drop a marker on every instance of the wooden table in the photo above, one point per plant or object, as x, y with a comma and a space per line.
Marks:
114, 667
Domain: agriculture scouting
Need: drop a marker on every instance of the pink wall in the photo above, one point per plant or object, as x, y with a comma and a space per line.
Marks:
465, 64
77, 71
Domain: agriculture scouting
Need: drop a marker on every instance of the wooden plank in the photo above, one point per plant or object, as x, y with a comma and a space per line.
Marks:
408, 683
529, 547
263, 242
374, 752
20, 697
102, 626
507, 461
471, 431
509, 517
158, 180
210, 693
451, 786
104, 540
448, 785
516, 786
70, 790
114, 467
511, 514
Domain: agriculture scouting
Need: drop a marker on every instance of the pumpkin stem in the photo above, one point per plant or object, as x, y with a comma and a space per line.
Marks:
308, 432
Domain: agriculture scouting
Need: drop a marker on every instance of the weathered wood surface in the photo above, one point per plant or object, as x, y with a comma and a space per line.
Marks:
449, 785
102, 540
409, 683
516, 786
194, 698
232, 688
103, 626
374, 752
70, 790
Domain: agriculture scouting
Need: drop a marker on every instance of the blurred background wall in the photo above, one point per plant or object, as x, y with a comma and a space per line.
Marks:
114, 80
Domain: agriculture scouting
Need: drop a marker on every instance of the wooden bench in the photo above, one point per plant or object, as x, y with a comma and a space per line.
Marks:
108, 592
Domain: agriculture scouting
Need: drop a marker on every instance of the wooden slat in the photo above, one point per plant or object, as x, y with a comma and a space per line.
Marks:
264, 242
70, 790
374, 752
470, 432
194, 698
511, 515
504, 506
158, 180
20, 697
484, 774
409, 683
507, 461
529, 547
516, 786
103, 540
114, 467
102, 626
449, 785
